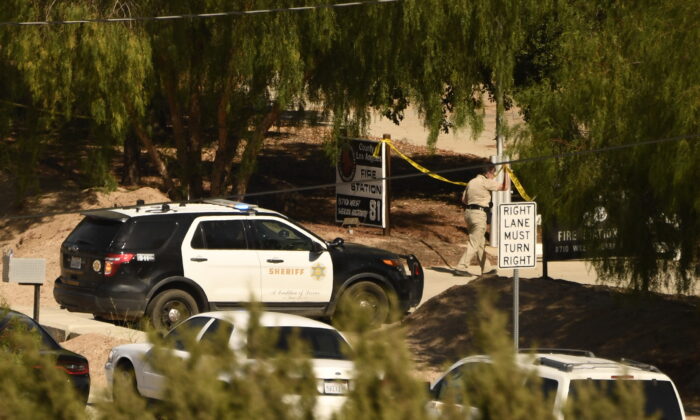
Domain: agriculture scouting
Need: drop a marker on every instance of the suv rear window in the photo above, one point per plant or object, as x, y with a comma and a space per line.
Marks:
146, 234
95, 232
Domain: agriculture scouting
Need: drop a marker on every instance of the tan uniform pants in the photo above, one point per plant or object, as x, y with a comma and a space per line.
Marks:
476, 223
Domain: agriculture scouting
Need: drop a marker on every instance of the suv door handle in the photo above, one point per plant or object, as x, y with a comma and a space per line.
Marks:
198, 259
275, 261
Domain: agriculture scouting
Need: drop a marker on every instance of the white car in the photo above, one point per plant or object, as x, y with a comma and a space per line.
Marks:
332, 368
563, 373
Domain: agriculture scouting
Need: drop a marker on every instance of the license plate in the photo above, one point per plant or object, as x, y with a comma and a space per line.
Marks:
335, 387
75, 263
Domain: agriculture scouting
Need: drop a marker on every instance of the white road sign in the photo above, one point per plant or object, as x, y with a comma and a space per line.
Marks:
517, 238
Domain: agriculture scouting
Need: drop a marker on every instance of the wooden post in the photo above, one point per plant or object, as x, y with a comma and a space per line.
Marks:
37, 297
545, 270
387, 205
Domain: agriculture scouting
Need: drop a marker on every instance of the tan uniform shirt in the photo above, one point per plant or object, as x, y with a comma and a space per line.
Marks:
479, 189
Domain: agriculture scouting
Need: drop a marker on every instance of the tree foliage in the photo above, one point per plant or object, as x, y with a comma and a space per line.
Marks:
627, 73
200, 94
218, 83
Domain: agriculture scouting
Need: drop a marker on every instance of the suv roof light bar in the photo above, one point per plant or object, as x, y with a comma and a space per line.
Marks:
570, 352
565, 367
640, 365
238, 205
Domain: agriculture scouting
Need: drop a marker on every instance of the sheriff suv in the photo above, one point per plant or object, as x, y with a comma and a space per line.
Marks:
171, 261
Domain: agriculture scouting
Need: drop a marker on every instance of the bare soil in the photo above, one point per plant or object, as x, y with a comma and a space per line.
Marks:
426, 220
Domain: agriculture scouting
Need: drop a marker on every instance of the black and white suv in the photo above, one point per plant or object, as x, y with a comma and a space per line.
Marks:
171, 261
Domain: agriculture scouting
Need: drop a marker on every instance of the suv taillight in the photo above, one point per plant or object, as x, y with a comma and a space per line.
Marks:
113, 261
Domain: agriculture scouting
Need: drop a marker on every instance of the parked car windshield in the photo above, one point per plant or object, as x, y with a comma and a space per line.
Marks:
13, 322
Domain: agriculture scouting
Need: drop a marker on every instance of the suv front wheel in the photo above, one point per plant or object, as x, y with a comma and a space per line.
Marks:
170, 307
365, 302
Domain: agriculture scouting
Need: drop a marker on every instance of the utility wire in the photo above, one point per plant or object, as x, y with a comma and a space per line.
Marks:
389, 178
200, 15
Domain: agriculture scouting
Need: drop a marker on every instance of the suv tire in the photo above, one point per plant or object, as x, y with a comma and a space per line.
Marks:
170, 307
368, 298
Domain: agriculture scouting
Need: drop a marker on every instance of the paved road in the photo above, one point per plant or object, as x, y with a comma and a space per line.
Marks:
437, 279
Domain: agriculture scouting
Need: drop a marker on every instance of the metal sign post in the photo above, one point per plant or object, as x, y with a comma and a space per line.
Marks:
516, 307
517, 248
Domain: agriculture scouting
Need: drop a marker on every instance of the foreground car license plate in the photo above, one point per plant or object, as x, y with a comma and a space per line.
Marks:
335, 387
75, 262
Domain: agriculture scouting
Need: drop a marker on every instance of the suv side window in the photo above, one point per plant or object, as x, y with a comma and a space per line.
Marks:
457, 383
273, 234
219, 234
450, 388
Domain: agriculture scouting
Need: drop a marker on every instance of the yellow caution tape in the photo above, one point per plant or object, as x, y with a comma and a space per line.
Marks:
413, 163
518, 186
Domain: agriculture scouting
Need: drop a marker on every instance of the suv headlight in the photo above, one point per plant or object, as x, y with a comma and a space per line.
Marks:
397, 263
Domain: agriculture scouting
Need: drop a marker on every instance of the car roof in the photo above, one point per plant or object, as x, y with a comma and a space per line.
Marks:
581, 366
268, 319
575, 365
212, 206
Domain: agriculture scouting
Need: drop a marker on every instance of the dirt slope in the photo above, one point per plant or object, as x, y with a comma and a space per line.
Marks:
658, 329
42, 237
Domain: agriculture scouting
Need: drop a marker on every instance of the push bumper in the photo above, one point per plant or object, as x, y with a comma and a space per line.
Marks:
417, 281
409, 287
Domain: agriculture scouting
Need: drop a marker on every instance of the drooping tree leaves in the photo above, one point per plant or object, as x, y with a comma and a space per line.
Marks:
628, 74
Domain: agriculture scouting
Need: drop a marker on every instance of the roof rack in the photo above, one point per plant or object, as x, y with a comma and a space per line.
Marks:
570, 352
640, 365
563, 366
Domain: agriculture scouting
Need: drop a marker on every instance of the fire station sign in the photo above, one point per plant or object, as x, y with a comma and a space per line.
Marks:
517, 234
361, 183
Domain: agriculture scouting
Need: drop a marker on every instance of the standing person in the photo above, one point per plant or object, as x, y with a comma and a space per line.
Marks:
477, 197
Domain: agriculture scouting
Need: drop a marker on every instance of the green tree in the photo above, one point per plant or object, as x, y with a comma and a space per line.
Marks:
224, 82
217, 82
68, 85
627, 73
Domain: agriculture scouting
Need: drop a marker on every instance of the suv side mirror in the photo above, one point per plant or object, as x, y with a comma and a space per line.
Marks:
317, 248
337, 242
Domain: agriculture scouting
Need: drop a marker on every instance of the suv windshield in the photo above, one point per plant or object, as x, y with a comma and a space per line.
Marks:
96, 232
659, 396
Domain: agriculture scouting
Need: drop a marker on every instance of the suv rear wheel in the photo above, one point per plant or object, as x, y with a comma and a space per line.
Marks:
170, 307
